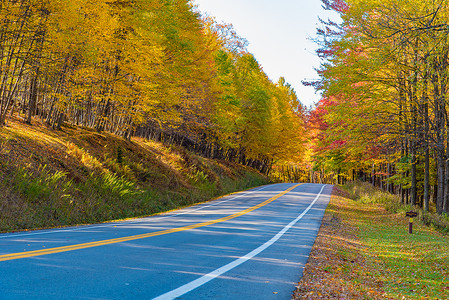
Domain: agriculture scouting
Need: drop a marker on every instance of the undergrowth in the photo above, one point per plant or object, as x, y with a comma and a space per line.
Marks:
366, 193
83, 177
52, 199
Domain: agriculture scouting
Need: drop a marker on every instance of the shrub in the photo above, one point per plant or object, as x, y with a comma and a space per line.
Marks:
367, 193
41, 185
439, 222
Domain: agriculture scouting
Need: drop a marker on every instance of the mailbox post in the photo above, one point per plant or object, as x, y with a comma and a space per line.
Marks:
411, 215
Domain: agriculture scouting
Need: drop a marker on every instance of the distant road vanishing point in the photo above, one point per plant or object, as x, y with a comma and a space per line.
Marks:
249, 245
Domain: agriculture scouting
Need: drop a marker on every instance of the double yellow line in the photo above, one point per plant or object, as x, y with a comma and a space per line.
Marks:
41, 252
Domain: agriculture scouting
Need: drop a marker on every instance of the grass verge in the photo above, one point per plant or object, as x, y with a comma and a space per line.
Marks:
364, 251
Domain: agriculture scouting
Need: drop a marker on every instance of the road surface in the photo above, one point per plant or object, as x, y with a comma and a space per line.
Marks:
250, 245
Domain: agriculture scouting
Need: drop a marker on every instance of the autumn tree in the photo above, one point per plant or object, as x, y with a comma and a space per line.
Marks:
157, 69
384, 67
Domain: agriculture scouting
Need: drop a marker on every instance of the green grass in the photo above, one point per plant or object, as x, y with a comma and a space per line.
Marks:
410, 266
413, 266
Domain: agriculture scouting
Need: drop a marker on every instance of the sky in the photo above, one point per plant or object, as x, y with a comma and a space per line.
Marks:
278, 32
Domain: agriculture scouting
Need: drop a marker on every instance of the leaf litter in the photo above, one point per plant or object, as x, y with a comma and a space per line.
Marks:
364, 252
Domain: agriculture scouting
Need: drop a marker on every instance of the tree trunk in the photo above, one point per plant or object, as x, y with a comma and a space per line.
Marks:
33, 97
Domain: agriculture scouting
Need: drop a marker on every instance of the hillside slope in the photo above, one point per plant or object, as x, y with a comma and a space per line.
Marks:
54, 178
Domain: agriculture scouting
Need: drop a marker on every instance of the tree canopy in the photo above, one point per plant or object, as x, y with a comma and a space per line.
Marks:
158, 69
384, 80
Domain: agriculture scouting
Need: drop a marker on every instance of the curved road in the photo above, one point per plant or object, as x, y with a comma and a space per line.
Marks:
250, 245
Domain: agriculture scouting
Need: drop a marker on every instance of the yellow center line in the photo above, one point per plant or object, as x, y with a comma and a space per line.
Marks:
41, 252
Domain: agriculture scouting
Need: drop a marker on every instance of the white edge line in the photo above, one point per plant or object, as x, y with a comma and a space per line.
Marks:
208, 277
13, 235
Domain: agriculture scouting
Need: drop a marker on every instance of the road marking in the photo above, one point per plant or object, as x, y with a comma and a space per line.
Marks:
112, 224
208, 277
34, 253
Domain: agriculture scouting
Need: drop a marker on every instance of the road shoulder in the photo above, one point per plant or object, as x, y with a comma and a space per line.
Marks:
336, 268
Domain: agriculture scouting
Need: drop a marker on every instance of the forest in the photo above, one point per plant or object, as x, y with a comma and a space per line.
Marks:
153, 69
160, 70
384, 117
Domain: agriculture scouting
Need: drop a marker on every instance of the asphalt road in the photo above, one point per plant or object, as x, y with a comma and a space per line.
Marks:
250, 245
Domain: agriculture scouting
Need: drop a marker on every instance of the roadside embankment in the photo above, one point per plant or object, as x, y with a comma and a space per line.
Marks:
54, 178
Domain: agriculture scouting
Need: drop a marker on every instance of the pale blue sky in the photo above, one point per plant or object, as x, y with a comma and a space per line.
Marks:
278, 33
